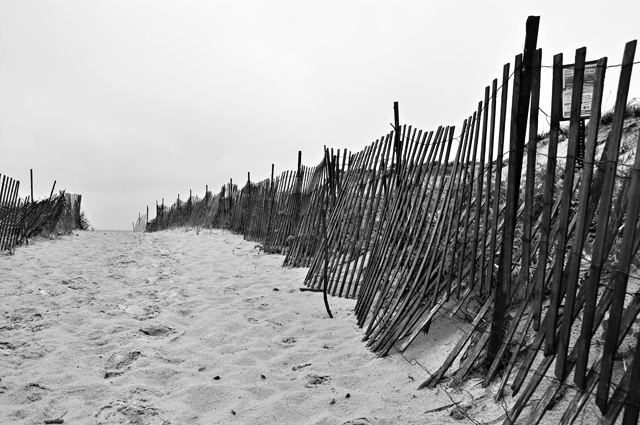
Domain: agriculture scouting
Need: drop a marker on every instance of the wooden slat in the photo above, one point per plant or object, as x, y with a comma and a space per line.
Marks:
469, 203
485, 217
582, 223
549, 186
615, 137
371, 333
498, 180
527, 217
411, 301
503, 279
565, 206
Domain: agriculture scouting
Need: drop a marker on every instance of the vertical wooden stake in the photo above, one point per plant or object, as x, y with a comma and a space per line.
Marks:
52, 189
518, 130
527, 224
559, 278
610, 344
31, 174
397, 143
325, 273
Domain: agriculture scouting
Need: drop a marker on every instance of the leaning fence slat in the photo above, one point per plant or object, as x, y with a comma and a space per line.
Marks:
394, 332
388, 249
413, 308
557, 284
360, 209
462, 190
549, 186
409, 180
479, 187
371, 242
503, 275
498, 178
582, 224
487, 203
465, 226
408, 307
436, 377
620, 287
527, 217
372, 280
371, 210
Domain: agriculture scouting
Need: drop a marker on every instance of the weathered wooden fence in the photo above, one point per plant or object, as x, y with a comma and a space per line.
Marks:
537, 271
9, 202
140, 225
21, 220
538, 254
272, 211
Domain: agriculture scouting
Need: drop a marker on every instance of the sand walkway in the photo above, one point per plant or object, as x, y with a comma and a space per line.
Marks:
179, 328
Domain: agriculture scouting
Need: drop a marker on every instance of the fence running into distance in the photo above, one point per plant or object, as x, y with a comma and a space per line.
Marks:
21, 220
537, 255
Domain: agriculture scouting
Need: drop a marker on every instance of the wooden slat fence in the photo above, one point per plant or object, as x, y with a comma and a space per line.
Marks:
9, 207
535, 249
271, 212
140, 225
21, 220
431, 242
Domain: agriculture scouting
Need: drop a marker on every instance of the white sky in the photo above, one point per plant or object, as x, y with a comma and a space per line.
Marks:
127, 102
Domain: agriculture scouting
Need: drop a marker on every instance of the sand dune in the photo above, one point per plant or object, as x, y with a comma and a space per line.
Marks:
179, 328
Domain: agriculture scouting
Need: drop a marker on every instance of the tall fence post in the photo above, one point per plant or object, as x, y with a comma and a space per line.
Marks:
397, 143
517, 141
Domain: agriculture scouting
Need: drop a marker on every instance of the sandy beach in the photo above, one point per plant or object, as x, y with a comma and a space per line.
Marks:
179, 328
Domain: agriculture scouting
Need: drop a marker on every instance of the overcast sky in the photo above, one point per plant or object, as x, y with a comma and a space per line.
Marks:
127, 102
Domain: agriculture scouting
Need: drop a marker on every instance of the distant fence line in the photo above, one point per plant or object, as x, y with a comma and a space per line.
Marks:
269, 211
140, 225
536, 258
21, 220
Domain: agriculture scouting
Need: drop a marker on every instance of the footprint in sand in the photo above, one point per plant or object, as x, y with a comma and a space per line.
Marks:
77, 283
313, 380
157, 330
98, 338
139, 312
119, 363
125, 413
30, 393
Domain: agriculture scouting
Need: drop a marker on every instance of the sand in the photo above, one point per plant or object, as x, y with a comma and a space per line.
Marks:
183, 328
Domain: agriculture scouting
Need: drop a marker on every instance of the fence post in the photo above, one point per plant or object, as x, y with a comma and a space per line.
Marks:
518, 131
599, 254
396, 138
298, 196
52, 189
231, 195
31, 174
